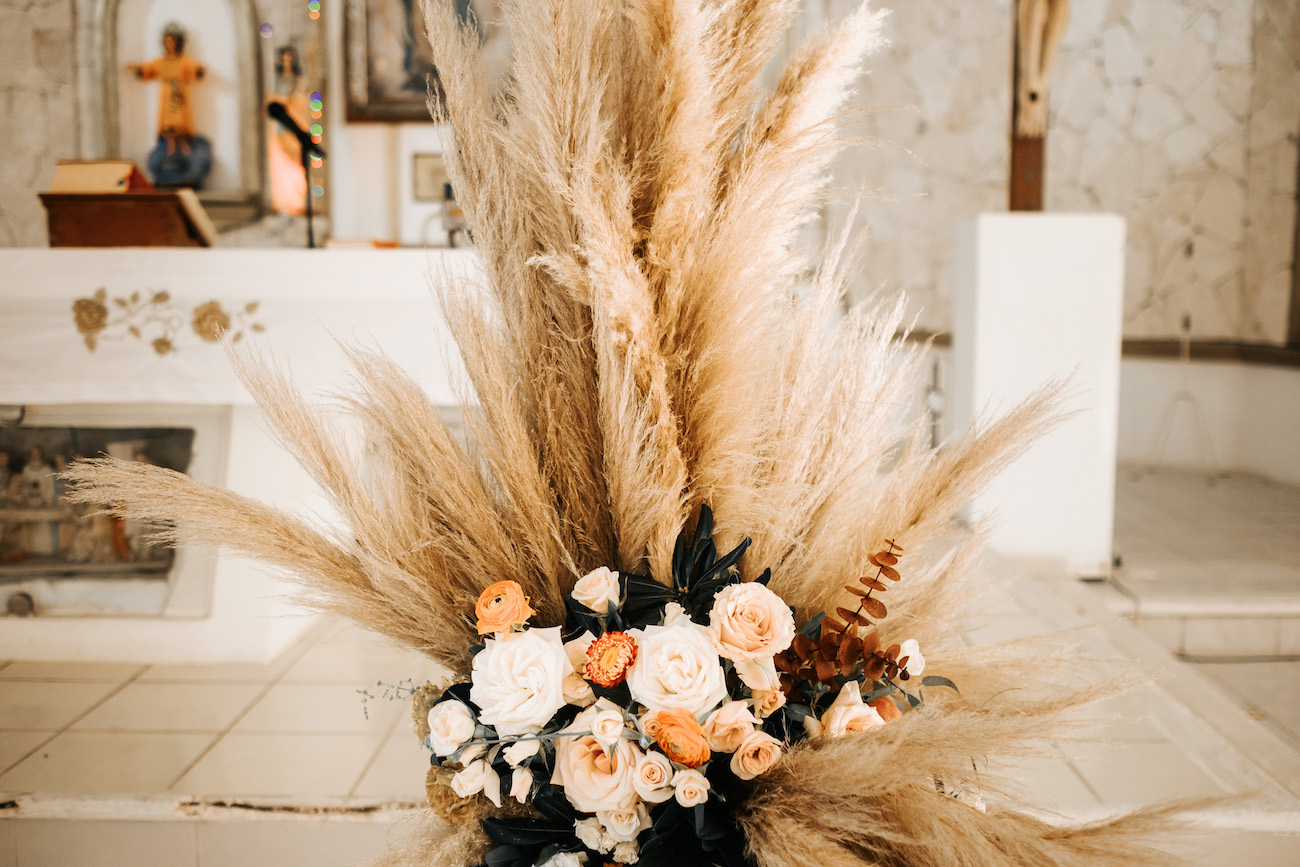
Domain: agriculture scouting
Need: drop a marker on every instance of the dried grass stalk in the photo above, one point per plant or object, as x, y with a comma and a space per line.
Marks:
646, 339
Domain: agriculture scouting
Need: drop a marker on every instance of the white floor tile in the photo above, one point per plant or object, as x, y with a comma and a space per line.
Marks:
177, 707
8, 843
47, 706
1136, 774
397, 772
73, 843
14, 746
360, 665
335, 843
280, 765
320, 708
98, 763
212, 673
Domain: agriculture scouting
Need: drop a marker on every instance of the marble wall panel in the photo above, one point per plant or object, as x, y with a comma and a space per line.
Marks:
38, 107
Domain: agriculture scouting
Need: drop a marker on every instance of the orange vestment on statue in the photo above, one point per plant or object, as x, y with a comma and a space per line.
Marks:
175, 111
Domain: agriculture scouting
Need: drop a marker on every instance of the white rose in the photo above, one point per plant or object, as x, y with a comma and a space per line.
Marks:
654, 777
606, 723
521, 783
518, 680
915, 661
594, 777
676, 666
520, 751
478, 777
589, 833
629, 852
450, 725
566, 859
577, 691
597, 590
690, 787
847, 714
623, 826
760, 675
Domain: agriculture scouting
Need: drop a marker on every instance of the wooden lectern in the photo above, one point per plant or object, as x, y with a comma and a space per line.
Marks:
111, 204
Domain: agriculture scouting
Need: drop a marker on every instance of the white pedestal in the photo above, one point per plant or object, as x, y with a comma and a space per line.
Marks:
1040, 296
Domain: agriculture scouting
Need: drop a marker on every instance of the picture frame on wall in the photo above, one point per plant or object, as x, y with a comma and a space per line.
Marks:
389, 64
428, 177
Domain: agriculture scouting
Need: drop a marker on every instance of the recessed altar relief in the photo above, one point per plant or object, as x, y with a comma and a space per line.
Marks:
43, 535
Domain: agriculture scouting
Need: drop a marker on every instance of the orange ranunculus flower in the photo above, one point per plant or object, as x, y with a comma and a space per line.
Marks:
609, 657
886, 708
501, 606
681, 738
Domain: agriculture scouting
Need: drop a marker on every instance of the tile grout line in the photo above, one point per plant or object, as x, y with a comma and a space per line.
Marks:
290, 657
374, 757
78, 718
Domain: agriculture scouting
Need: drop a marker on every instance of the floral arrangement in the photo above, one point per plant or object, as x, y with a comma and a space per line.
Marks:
629, 730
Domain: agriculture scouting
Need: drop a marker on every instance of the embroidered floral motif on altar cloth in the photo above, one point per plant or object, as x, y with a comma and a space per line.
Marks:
154, 317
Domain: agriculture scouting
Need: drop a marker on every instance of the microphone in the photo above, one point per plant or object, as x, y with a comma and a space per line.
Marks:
278, 112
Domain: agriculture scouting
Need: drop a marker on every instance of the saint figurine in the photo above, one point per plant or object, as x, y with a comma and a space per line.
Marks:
284, 153
1040, 25
182, 157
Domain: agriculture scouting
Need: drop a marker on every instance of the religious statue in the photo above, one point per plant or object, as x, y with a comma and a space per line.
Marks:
181, 157
284, 152
1040, 26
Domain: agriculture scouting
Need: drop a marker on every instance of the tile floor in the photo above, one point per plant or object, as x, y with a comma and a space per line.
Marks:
123, 764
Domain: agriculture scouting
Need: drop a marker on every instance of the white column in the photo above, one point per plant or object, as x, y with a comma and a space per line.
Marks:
1040, 296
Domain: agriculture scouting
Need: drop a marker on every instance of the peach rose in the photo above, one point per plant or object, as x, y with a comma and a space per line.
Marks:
501, 606
690, 787
758, 752
597, 590
768, 702
594, 777
478, 777
681, 738
577, 691
654, 777
727, 726
520, 751
748, 621
521, 784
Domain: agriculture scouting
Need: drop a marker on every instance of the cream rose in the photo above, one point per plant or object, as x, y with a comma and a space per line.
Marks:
590, 833
758, 752
690, 787
748, 621
478, 777
577, 691
566, 859
606, 723
760, 675
597, 590
450, 725
768, 702
521, 784
727, 726
623, 826
911, 649
676, 667
520, 751
518, 680
846, 715
594, 777
654, 777
629, 852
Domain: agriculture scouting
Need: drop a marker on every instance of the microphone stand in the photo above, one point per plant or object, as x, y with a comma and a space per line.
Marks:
306, 148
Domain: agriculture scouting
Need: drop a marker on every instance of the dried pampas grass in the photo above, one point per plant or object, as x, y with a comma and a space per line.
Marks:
647, 340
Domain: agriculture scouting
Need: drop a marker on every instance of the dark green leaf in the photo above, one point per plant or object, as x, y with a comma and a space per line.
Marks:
936, 680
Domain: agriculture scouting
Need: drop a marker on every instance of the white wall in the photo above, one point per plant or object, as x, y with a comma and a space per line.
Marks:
1251, 411
211, 41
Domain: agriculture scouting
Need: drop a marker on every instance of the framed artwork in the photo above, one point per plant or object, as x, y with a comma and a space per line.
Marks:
428, 178
390, 67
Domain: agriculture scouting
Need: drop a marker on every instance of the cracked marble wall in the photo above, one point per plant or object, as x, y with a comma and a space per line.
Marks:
1180, 115
37, 111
